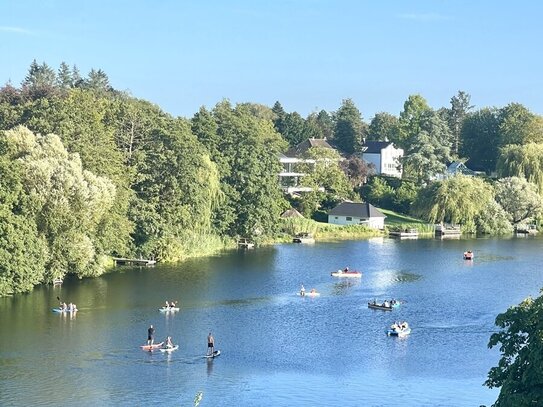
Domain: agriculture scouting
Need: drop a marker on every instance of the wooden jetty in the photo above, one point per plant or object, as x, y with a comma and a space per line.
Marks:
135, 262
526, 230
404, 233
245, 244
447, 231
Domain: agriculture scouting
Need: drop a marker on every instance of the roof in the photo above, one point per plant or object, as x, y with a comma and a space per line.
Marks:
357, 209
302, 148
291, 213
459, 167
374, 147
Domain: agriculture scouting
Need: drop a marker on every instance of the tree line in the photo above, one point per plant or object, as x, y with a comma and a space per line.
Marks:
88, 172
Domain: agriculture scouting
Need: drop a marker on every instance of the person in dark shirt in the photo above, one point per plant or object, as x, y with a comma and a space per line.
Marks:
150, 335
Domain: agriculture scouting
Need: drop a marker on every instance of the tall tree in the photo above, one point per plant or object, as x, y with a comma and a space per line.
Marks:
415, 109
326, 123
279, 117
39, 82
349, 128
98, 81
525, 161
64, 77
480, 139
294, 128
519, 126
460, 107
383, 127
519, 373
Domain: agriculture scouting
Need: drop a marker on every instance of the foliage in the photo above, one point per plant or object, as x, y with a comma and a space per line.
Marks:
428, 150
520, 369
480, 139
383, 127
524, 161
519, 126
357, 170
415, 108
349, 128
458, 199
455, 116
378, 192
519, 199
493, 220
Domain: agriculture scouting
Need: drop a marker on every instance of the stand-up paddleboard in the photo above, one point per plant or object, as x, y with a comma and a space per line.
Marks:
152, 347
214, 354
169, 349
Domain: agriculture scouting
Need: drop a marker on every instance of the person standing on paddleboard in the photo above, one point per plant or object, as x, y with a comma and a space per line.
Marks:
150, 335
210, 344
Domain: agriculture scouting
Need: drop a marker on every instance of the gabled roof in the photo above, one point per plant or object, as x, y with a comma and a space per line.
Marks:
459, 167
357, 209
302, 148
291, 213
374, 147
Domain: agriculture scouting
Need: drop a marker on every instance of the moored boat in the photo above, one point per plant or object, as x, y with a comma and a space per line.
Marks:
303, 238
344, 273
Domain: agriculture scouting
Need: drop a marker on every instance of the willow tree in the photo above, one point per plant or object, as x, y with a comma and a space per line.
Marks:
525, 161
457, 199
519, 198
66, 202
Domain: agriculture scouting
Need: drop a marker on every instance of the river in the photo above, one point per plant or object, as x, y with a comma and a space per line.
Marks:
277, 349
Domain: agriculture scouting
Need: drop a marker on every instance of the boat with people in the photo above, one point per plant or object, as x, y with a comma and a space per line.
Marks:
399, 329
312, 293
169, 349
346, 273
468, 255
385, 305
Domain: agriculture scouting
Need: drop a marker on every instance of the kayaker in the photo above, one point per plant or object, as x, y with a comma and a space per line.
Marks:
150, 335
210, 344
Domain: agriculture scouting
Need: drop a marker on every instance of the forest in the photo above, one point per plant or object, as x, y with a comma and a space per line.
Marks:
88, 172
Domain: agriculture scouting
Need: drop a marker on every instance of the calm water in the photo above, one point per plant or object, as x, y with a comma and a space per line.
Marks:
278, 349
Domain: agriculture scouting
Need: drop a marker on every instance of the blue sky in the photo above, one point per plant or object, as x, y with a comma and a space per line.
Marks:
308, 54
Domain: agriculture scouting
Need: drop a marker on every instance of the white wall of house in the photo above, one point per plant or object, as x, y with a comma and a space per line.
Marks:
386, 163
375, 223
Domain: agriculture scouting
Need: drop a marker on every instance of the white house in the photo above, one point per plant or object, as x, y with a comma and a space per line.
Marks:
357, 213
289, 177
384, 156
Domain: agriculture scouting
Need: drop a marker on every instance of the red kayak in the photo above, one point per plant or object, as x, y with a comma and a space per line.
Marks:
152, 347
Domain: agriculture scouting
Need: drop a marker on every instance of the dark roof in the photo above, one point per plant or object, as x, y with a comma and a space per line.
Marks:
357, 209
301, 148
374, 147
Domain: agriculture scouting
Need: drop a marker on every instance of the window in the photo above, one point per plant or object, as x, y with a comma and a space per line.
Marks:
349, 218
335, 217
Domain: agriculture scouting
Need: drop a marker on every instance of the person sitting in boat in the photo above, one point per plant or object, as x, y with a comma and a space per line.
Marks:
70, 307
63, 307
386, 304
302, 290
313, 291
346, 269
169, 343
167, 305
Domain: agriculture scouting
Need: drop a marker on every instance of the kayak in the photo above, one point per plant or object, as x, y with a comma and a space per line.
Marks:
61, 311
169, 309
152, 347
169, 349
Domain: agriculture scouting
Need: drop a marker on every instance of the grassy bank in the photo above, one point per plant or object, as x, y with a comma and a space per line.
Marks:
394, 221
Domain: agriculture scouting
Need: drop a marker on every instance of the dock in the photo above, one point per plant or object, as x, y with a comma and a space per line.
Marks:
447, 231
245, 244
135, 262
405, 233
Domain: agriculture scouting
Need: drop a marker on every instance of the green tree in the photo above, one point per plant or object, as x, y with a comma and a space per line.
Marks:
383, 127
39, 82
428, 151
415, 110
524, 161
349, 128
519, 126
98, 81
519, 373
357, 170
294, 128
64, 77
459, 199
378, 192
480, 139
460, 107
519, 198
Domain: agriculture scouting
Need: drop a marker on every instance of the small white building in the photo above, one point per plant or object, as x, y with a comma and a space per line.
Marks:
357, 213
384, 156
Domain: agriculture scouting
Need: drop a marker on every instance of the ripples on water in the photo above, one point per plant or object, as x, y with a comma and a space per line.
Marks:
278, 349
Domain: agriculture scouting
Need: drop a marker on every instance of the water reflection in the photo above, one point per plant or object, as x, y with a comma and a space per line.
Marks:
387, 278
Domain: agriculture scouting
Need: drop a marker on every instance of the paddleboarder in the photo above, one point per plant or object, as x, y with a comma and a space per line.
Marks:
210, 344
150, 335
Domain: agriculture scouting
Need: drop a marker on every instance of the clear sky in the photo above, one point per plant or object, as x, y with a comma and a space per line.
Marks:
308, 54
